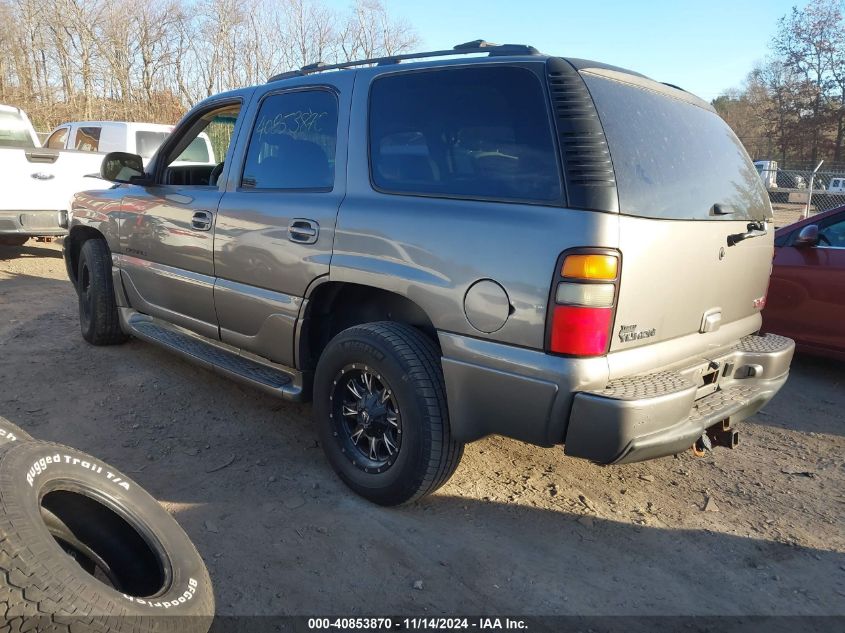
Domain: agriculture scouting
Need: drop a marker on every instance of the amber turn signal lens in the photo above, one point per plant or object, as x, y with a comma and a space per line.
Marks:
590, 266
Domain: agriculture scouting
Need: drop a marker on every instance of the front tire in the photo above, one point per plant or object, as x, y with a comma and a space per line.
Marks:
98, 317
380, 407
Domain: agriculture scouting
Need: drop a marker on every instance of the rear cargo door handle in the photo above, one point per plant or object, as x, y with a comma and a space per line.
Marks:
202, 220
303, 231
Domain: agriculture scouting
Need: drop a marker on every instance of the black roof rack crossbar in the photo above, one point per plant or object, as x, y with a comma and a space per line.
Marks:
467, 48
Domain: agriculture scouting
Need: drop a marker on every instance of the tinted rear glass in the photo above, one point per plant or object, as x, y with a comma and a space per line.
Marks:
13, 131
674, 159
466, 132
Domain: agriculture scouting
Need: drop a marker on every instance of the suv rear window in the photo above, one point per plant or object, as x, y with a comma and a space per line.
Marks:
464, 132
674, 159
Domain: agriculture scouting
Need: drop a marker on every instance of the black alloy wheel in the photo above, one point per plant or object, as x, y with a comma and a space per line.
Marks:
366, 418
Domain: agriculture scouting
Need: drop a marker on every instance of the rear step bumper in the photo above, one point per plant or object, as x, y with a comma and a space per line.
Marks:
653, 415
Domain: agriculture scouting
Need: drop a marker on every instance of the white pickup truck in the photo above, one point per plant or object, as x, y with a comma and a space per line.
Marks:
38, 183
142, 139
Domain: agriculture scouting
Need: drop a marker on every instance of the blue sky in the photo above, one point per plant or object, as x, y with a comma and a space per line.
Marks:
704, 46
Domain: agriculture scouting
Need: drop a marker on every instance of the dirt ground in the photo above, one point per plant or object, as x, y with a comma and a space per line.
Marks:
518, 530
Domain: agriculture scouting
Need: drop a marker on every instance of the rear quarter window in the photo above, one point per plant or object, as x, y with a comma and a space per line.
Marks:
674, 159
481, 133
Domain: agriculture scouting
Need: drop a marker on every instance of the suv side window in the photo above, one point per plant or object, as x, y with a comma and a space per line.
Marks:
480, 132
88, 138
293, 142
57, 139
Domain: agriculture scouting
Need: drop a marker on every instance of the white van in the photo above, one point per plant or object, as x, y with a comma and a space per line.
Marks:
837, 185
142, 139
768, 170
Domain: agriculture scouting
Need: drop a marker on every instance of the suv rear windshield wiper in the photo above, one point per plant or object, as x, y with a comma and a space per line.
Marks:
755, 229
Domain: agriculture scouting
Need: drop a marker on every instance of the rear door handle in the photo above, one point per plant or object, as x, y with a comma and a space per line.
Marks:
303, 231
202, 220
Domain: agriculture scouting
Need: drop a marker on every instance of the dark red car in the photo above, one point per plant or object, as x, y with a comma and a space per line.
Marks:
806, 299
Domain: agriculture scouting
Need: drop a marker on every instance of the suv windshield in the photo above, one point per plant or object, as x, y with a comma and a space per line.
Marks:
14, 132
674, 159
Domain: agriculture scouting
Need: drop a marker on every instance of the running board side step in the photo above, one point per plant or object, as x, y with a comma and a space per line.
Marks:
277, 380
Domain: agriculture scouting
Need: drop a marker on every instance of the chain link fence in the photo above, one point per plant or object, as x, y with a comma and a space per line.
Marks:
793, 198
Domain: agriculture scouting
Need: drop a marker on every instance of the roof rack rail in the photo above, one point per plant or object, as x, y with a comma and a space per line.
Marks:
467, 48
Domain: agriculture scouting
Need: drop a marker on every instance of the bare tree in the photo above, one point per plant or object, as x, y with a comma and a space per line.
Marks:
369, 31
806, 45
798, 94
76, 59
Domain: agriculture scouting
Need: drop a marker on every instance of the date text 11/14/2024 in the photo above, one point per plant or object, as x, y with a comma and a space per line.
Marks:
417, 624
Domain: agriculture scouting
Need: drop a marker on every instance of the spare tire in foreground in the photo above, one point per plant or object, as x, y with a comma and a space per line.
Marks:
12, 433
84, 548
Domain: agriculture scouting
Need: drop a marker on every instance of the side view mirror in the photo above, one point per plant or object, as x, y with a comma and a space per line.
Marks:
121, 167
809, 236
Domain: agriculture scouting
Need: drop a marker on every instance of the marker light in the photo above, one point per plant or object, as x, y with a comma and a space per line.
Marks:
590, 266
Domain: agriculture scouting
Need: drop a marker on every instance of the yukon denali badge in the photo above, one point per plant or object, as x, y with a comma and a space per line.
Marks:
40, 175
628, 333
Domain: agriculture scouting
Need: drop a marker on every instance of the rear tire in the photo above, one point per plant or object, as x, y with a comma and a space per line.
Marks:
380, 407
98, 318
13, 240
84, 549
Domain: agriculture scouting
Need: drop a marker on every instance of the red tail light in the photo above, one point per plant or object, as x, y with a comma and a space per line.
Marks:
580, 331
583, 302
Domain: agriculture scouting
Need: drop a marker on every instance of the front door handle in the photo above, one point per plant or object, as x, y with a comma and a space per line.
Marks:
202, 220
303, 231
